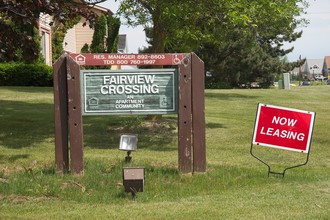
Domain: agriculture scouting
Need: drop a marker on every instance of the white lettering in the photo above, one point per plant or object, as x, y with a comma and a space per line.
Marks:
291, 122
112, 80
129, 79
283, 121
282, 133
106, 79
129, 89
104, 90
150, 79
129, 85
112, 89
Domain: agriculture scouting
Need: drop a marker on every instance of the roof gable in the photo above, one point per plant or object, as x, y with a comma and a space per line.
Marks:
315, 66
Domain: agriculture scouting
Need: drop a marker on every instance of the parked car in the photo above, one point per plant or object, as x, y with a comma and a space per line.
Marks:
255, 85
305, 83
320, 77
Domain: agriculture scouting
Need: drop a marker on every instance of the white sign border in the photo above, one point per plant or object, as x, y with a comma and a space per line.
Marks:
86, 112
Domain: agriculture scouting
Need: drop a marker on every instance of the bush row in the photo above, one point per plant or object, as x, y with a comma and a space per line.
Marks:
20, 74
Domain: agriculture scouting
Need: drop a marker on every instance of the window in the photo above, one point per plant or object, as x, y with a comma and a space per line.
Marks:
315, 67
44, 44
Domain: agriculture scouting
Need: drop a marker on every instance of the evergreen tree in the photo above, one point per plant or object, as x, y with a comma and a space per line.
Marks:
98, 42
113, 34
240, 41
101, 42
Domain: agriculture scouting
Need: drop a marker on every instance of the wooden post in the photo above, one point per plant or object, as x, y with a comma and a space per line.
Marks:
198, 114
61, 115
75, 117
184, 117
68, 110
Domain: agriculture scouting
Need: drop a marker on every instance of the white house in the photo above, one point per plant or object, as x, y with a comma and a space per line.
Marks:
314, 67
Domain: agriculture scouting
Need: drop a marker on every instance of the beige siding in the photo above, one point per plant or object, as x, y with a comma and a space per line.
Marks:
85, 34
69, 42
79, 35
48, 57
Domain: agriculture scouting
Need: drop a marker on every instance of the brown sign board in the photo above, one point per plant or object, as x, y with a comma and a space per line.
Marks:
68, 105
88, 59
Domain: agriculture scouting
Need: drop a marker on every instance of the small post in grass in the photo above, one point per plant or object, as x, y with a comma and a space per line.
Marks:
133, 180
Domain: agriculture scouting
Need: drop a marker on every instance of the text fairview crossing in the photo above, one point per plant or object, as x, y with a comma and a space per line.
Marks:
129, 84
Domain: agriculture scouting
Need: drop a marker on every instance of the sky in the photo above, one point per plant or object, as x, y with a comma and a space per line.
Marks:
314, 43
135, 36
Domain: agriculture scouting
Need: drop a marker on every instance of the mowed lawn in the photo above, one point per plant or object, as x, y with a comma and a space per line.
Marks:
235, 185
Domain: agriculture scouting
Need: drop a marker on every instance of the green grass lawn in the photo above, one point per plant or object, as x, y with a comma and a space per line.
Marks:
235, 185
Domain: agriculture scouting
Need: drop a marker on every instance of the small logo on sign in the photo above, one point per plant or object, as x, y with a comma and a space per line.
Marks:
176, 60
165, 102
93, 101
80, 59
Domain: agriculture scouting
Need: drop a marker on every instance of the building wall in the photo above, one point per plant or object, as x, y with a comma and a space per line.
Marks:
46, 38
74, 40
85, 34
69, 42
79, 35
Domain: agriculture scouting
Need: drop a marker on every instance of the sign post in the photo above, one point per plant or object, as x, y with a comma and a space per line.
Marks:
283, 128
153, 91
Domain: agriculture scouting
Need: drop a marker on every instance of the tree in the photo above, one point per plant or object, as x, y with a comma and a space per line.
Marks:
167, 21
105, 36
247, 35
98, 41
254, 54
113, 31
17, 17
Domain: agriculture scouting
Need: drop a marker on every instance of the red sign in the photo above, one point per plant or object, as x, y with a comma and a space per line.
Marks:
104, 59
283, 128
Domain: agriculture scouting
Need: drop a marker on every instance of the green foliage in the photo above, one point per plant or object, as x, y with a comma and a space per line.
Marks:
85, 48
59, 29
98, 41
20, 74
212, 83
15, 50
251, 50
113, 31
101, 44
133, 122
240, 41
18, 18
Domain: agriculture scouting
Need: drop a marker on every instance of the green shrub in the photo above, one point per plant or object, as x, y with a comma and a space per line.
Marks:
213, 83
20, 74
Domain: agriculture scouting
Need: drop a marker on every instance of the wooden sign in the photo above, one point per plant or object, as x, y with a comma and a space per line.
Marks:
88, 59
148, 91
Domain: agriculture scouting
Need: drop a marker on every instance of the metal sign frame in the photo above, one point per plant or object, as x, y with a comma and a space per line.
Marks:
68, 106
281, 146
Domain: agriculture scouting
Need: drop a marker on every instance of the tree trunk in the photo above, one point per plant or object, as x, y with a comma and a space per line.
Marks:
159, 36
